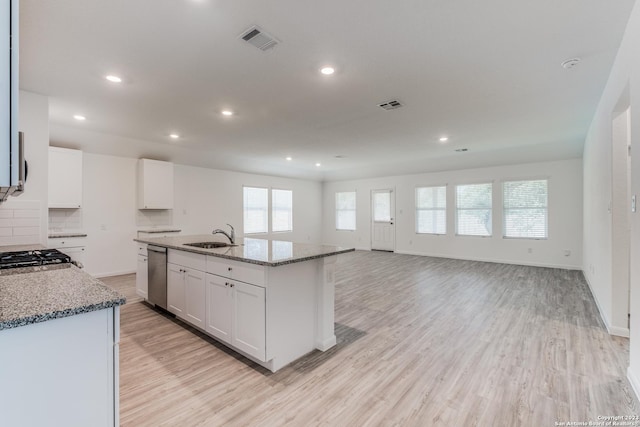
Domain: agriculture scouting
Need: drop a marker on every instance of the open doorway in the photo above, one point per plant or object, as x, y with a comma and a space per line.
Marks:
620, 222
383, 207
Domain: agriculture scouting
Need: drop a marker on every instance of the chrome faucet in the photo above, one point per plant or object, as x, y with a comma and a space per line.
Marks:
231, 236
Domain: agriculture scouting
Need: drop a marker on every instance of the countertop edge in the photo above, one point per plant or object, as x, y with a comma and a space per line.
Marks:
59, 314
66, 235
246, 260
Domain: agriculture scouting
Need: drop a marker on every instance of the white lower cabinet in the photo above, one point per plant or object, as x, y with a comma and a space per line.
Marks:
236, 314
195, 298
142, 276
186, 294
219, 307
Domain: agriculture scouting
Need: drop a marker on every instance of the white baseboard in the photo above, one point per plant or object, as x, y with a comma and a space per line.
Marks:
634, 381
612, 330
497, 261
619, 332
112, 273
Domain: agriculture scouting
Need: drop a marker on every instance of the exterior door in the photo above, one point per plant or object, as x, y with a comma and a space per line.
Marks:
383, 234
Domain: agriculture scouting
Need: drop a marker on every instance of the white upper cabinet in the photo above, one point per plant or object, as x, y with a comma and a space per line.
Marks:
155, 184
65, 178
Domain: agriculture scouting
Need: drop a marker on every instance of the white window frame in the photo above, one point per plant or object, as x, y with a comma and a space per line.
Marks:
418, 209
272, 210
355, 210
504, 209
458, 209
244, 210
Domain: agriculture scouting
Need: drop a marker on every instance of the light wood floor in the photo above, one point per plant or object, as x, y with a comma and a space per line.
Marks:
421, 342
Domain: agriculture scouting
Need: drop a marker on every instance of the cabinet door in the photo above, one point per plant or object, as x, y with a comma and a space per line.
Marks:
142, 277
176, 290
65, 178
196, 303
155, 184
218, 308
249, 325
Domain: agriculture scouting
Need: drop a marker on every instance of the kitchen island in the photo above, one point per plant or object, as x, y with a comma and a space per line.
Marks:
59, 334
270, 300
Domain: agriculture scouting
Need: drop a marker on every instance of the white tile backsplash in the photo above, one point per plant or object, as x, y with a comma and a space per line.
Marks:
65, 219
153, 218
19, 222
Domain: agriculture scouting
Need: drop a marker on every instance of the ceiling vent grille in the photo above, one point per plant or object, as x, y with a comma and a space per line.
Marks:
258, 38
390, 105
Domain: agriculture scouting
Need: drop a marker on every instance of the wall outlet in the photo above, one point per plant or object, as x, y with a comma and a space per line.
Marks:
411, 242
530, 250
567, 252
184, 211
633, 203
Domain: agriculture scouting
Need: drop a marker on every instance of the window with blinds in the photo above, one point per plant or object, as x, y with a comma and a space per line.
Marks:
431, 210
346, 210
473, 209
281, 210
256, 210
525, 209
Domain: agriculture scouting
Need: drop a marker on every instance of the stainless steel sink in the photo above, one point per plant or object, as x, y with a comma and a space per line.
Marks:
209, 245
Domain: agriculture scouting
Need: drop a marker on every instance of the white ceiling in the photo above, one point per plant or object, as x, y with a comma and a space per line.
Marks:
487, 74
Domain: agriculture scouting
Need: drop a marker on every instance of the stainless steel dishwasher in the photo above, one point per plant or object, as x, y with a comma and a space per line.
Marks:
157, 269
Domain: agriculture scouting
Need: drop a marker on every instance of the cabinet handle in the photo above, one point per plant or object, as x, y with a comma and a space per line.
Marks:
226, 283
230, 268
231, 284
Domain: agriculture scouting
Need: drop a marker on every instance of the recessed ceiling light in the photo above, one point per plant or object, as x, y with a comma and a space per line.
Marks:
318, 164
113, 79
79, 117
327, 71
227, 113
444, 138
174, 136
289, 158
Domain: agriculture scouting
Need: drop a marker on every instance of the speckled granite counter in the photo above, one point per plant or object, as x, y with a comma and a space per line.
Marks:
159, 230
37, 294
66, 234
271, 253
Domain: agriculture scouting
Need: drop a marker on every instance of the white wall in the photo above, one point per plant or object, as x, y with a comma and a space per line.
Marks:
204, 199
34, 122
622, 89
565, 215
209, 198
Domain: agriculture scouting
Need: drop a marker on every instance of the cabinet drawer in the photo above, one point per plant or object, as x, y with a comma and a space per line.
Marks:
142, 249
66, 242
242, 271
187, 259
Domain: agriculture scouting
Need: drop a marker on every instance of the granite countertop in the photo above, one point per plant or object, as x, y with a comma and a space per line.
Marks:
67, 234
167, 229
271, 253
37, 294
21, 248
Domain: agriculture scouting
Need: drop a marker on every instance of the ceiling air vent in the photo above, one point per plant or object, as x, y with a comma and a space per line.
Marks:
258, 38
390, 105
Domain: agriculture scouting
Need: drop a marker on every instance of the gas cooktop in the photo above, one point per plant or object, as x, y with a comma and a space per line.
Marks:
32, 258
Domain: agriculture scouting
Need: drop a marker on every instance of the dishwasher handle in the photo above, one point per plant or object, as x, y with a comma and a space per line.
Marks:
158, 249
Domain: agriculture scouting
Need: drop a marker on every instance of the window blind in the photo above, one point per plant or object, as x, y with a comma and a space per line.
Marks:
256, 210
281, 210
473, 209
431, 210
525, 209
346, 210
